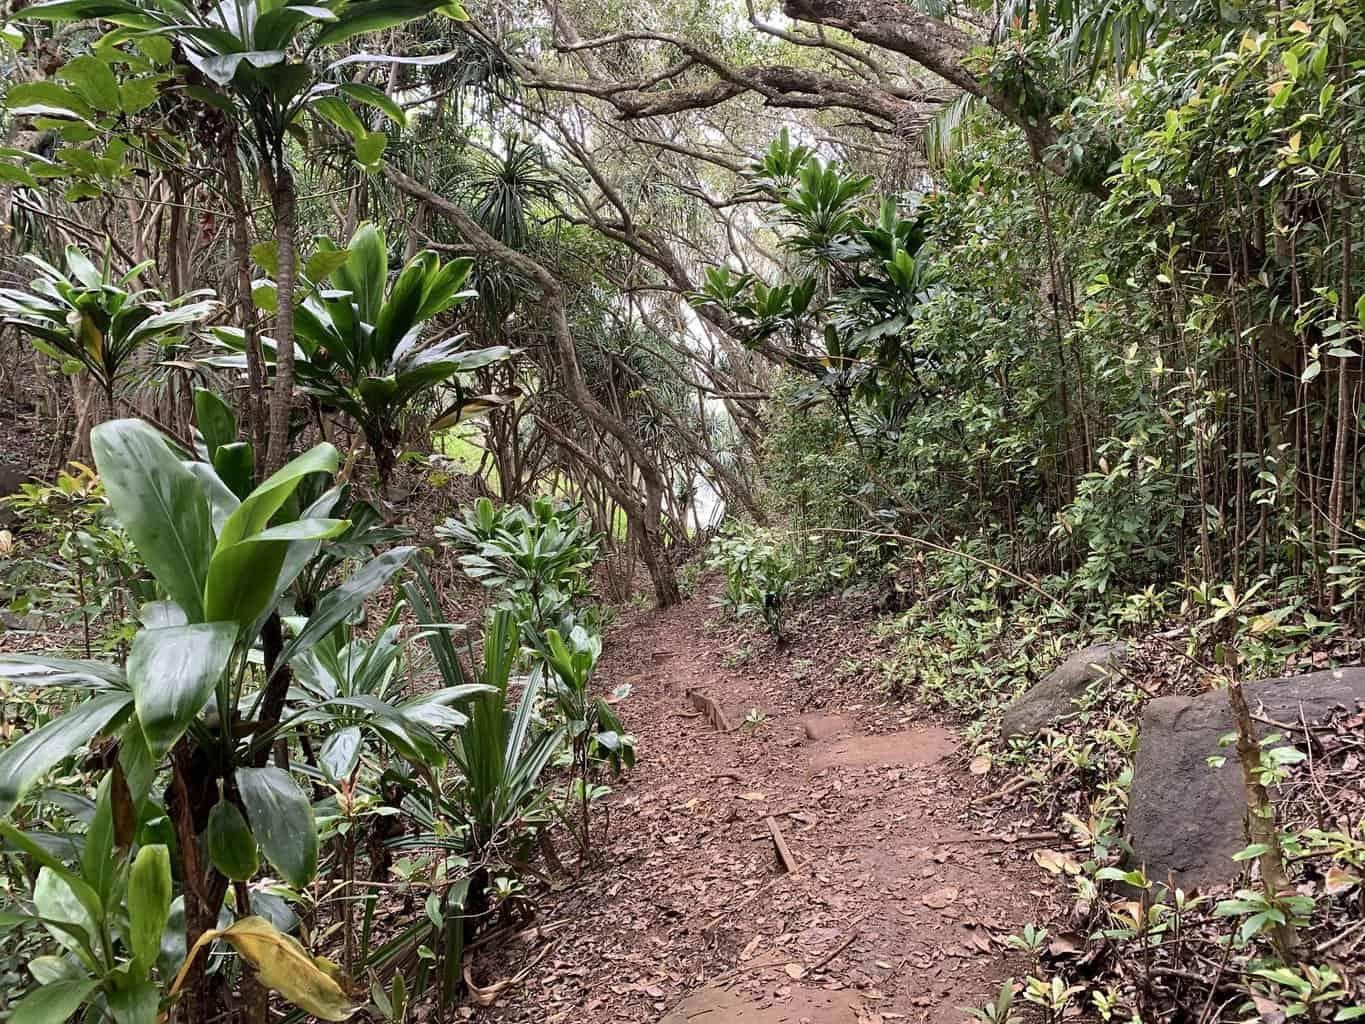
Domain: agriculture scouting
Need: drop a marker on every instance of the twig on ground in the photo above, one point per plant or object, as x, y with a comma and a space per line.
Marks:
784, 852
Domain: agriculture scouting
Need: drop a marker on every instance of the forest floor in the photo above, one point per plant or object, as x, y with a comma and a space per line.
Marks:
902, 891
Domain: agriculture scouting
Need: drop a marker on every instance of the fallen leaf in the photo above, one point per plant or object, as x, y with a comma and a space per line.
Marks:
980, 765
1340, 881
753, 797
795, 971
939, 898
1270, 1012
1064, 945
1056, 862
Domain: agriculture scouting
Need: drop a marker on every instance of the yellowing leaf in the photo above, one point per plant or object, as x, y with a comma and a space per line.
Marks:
1340, 881
1301, 27
282, 965
1055, 862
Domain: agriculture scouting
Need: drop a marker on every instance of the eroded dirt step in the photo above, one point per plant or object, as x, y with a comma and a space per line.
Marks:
802, 1006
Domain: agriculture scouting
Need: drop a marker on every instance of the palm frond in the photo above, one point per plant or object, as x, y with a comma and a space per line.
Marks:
952, 127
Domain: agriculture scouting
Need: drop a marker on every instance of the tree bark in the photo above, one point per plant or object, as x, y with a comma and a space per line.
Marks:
281, 399
246, 308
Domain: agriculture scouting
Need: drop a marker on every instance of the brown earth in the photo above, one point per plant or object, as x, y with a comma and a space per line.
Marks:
903, 891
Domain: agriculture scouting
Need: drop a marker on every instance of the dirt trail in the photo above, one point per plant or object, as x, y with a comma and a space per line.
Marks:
903, 892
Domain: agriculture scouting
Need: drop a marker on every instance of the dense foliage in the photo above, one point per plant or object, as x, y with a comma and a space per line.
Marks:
1024, 325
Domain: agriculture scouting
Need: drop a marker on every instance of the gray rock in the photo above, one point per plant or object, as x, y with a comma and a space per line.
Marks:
1054, 696
10, 479
1185, 818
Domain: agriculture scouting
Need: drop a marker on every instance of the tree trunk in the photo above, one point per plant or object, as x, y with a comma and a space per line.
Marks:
246, 309
281, 399
652, 552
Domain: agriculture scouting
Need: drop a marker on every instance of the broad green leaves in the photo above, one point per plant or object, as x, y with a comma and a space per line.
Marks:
90, 320
231, 846
149, 902
338, 603
245, 50
282, 822
33, 755
161, 506
52, 1004
230, 577
173, 671
364, 347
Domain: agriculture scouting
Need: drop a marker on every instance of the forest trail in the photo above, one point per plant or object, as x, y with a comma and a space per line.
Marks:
902, 895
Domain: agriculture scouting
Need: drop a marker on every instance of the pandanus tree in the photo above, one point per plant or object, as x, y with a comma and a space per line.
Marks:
370, 348
202, 703
258, 63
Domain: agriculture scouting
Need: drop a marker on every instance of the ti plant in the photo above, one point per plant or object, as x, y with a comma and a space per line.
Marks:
486, 817
257, 64
203, 699
538, 555
595, 732
371, 349
93, 320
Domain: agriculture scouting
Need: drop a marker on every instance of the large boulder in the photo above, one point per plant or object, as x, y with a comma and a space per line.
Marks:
1054, 696
1185, 818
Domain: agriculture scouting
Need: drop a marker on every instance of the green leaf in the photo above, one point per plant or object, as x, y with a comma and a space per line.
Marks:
41, 670
99, 861
46, 97
133, 1000
242, 576
34, 754
366, 273
282, 821
338, 603
52, 1004
261, 504
66, 913
264, 255
16, 175
159, 502
378, 99
149, 902
137, 94
139, 769
235, 465
222, 68
324, 263
340, 754
49, 969
232, 847
87, 896
93, 80
215, 419
266, 296
156, 49
173, 671
372, 16
338, 113
369, 149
